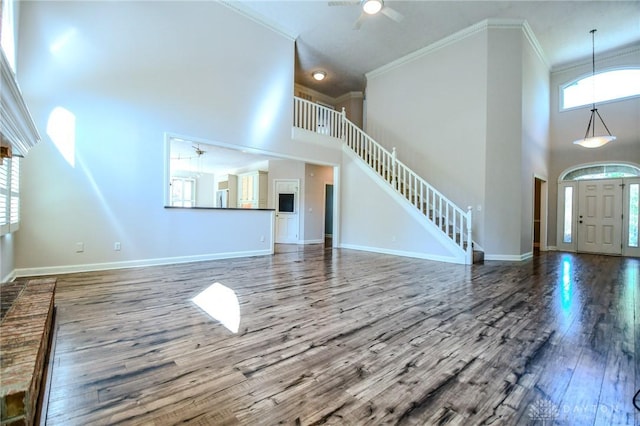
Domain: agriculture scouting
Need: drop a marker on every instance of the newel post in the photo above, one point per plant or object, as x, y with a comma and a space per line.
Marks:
469, 238
343, 122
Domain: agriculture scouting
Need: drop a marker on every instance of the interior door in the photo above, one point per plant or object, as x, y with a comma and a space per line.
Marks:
287, 210
600, 216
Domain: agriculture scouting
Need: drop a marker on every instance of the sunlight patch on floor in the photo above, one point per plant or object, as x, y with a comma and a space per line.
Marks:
220, 303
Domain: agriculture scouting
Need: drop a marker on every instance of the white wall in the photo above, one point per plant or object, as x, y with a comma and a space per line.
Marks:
165, 66
469, 115
535, 137
353, 104
622, 117
517, 140
205, 190
314, 193
502, 207
372, 219
433, 109
6, 257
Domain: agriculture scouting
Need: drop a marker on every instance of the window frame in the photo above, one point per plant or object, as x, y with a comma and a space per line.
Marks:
563, 175
562, 87
175, 202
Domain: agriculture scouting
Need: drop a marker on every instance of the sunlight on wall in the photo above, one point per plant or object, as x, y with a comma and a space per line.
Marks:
105, 206
265, 116
61, 128
220, 303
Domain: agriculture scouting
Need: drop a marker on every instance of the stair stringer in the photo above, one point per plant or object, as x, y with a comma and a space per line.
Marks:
396, 227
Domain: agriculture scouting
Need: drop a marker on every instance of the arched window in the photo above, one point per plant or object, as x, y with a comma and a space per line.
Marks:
600, 171
605, 86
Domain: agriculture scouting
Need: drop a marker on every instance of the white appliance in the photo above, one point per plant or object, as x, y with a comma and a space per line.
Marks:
222, 198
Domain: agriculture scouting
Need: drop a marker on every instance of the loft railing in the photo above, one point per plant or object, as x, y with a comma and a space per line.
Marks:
453, 221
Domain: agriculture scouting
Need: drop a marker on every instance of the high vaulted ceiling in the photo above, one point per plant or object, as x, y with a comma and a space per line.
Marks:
325, 38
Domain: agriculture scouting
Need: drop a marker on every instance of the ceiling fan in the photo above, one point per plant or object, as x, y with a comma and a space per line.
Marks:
198, 150
370, 7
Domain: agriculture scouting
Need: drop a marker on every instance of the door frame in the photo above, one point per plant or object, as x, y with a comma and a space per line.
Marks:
544, 213
299, 208
562, 184
627, 250
324, 222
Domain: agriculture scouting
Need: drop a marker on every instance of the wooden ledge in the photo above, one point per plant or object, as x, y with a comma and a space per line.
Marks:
24, 344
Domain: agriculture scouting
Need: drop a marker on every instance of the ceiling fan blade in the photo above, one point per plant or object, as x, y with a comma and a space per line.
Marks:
392, 14
343, 3
359, 21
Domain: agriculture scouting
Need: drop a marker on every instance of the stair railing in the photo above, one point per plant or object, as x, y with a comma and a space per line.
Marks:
317, 118
453, 221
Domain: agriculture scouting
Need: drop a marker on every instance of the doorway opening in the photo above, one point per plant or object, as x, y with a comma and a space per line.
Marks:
536, 215
539, 215
328, 215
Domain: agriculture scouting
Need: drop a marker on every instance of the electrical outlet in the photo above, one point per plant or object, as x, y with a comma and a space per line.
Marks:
262, 238
79, 247
116, 246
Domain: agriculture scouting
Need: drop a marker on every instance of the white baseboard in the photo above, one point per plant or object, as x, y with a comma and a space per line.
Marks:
509, 257
404, 253
320, 241
69, 269
552, 248
526, 256
10, 277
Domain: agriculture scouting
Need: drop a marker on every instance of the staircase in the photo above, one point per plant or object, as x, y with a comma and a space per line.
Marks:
452, 221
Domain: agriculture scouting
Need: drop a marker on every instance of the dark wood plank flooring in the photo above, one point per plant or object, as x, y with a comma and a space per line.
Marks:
352, 338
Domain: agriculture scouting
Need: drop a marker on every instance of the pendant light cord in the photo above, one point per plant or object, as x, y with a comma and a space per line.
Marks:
593, 82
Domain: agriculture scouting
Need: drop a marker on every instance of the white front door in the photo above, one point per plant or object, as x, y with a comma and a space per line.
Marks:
600, 216
287, 210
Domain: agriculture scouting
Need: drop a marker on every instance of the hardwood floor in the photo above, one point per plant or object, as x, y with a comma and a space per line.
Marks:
346, 337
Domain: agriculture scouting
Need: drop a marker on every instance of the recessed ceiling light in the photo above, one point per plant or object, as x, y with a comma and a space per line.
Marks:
319, 75
372, 6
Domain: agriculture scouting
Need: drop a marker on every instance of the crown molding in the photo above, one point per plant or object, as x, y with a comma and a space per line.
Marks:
251, 14
349, 96
533, 41
602, 57
16, 123
499, 24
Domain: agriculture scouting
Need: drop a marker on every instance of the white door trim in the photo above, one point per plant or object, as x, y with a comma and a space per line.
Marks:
297, 209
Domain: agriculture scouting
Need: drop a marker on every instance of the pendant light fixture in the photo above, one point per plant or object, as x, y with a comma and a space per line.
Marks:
594, 141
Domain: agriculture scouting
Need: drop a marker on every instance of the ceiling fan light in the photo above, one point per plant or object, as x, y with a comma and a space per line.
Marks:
319, 75
371, 7
594, 141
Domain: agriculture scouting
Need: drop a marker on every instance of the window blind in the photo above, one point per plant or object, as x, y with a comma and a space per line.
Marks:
9, 195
